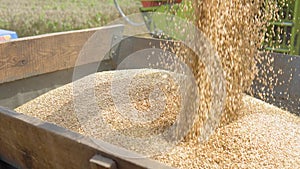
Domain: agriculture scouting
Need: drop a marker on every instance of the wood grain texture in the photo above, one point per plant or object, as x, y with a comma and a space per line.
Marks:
36, 55
29, 143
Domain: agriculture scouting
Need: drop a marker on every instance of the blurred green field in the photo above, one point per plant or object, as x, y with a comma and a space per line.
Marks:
33, 17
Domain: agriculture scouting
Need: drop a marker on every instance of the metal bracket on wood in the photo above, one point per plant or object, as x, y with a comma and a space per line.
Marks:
100, 162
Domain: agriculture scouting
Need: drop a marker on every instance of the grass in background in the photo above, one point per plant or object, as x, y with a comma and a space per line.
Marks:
34, 17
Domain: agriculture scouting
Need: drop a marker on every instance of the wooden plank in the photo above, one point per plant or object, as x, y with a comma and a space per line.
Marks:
37, 55
27, 142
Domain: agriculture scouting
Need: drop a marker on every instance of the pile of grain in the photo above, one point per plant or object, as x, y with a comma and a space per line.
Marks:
90, 106
263, 136
59, 105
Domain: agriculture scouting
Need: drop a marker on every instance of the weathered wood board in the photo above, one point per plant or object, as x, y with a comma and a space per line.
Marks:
26, 57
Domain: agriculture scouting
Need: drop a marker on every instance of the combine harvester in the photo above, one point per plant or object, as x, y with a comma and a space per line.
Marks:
34, 65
